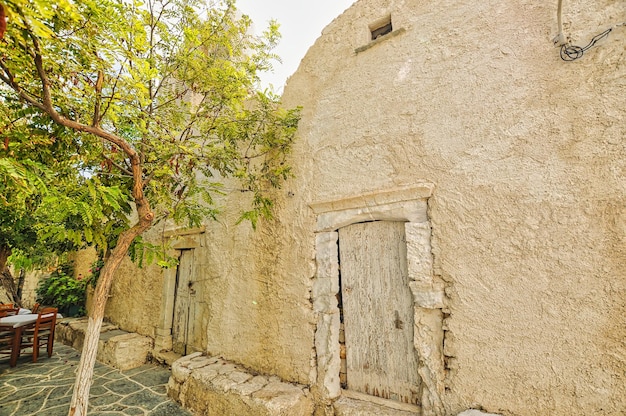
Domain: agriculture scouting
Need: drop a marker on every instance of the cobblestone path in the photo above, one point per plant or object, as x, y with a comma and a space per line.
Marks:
45, 388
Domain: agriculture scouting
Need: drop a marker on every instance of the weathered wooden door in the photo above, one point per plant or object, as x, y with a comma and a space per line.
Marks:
184, 305
378, 311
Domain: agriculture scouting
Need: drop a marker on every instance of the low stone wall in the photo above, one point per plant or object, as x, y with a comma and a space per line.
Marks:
117, 348
214, 387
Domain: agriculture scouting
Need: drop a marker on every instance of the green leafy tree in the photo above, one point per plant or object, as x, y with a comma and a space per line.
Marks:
38, 169
23, 180
161, 100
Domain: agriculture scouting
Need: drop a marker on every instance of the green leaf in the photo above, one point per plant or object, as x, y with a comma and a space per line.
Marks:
174, 91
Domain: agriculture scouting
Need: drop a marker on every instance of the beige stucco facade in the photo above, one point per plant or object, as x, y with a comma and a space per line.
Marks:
519, 162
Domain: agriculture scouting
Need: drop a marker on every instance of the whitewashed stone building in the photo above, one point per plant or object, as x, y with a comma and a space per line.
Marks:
455, 234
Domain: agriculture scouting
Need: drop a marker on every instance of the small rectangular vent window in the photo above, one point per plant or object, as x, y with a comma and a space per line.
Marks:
381, 28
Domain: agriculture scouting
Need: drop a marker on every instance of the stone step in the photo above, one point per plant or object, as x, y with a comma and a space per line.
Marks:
166, 358
214, 387
117, 348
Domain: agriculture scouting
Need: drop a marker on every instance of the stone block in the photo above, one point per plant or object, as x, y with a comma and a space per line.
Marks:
117, 348
428, 295
180, 372
199, 362
173, 389
254, 384
419, 256
224, 388
165, 358
328, 361
125, 351
71, 331
239, 376
188, 358
223, 383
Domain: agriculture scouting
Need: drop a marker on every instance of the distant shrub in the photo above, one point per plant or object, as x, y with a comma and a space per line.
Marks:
64, 292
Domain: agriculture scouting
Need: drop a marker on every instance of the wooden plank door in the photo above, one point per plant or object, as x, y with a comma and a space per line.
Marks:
378, 311
182, 302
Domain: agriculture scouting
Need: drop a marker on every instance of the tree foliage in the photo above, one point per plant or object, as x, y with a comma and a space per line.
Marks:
174, 81
136, 110
24, 178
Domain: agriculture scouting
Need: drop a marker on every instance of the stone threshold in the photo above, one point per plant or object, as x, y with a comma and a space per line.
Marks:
356, 404
212, 386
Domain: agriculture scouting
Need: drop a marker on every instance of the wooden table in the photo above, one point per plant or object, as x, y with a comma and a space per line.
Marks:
18, 322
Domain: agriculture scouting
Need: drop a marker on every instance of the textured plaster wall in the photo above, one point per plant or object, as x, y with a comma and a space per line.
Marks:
252, 304
29, 291
528, 159
135, 298
257, 286
528, 156
82, 261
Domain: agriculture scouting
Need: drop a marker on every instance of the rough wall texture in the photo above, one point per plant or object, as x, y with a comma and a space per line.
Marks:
135, 299
257, 288
82, 261
31, 282
252, 306
528, 159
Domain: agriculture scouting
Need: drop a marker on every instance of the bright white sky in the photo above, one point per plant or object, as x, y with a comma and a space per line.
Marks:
301, 23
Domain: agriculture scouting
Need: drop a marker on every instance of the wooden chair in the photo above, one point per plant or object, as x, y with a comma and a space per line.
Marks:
6, 311
41, 332
6, 306
7, 334
35, 308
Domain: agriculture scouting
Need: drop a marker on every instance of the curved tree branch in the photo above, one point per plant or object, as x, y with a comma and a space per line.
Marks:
96, 111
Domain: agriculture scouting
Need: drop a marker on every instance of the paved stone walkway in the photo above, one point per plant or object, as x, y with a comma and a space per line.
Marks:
45, 388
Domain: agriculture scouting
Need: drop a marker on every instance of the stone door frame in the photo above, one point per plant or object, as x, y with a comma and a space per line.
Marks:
409, 205
183, 239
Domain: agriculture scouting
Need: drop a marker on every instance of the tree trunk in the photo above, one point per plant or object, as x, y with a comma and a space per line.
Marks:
5, 253
84, 375
7, 283
3, 21
20, 285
